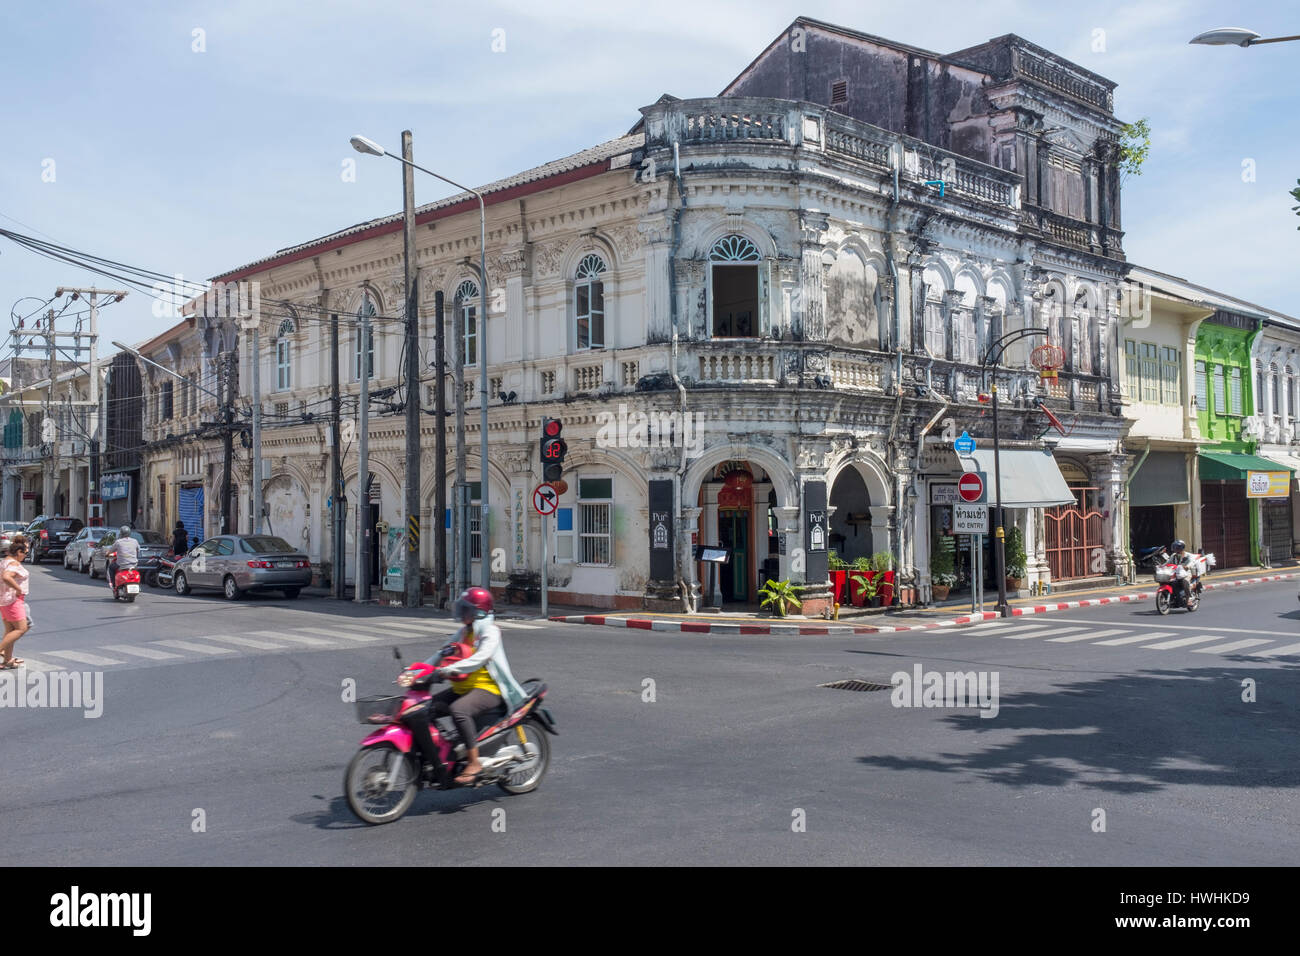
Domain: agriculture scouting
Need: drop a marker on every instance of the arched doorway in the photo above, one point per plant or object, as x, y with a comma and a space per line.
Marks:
738, 503
850, 522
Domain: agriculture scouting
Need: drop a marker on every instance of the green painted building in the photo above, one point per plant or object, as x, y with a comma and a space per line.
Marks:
1224, 389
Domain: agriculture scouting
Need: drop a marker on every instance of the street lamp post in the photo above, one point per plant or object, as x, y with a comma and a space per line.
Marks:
1235, 36
363, 145
991, 358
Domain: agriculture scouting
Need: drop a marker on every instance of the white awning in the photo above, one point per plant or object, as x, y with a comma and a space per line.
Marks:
1031, 479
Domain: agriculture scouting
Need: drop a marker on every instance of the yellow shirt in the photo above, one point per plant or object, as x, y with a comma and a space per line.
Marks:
480, 679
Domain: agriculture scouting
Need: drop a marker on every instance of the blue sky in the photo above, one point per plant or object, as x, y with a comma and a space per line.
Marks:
196, 162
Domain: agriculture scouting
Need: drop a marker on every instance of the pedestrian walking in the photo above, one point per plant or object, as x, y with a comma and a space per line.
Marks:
13, 601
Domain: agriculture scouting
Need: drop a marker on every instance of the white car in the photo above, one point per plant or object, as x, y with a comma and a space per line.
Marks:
77, 554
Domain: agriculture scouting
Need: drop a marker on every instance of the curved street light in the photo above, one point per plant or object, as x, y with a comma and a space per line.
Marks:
991, 358
1235, 36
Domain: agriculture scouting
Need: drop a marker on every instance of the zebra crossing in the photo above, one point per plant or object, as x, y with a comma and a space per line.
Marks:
1206, 641
348, 633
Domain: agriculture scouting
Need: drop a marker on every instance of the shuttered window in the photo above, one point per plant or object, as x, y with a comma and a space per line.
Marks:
935, 340
1130, 369
1234, 393
1170, 385
1202, 388
1150, 369
1220, 408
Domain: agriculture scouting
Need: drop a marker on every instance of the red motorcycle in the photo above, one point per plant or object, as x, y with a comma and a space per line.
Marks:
382, 779
126, 585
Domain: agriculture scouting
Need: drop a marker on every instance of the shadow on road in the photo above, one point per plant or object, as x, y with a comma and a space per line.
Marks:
336, 815
1133, 733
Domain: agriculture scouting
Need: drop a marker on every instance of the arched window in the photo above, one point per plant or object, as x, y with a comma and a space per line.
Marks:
590, 303
467, 302
737, 302
1275, 381
367, 309
284, 355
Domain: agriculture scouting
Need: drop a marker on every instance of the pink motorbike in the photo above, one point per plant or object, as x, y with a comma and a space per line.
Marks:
382, 779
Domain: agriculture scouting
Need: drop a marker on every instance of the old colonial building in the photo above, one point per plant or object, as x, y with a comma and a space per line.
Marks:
759, 316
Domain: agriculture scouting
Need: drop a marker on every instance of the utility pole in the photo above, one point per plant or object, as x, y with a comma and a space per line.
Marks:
49, 427
459, 516
337, 499
257, 430
440, 453
228, 441
93, 507
363, 471
411, 566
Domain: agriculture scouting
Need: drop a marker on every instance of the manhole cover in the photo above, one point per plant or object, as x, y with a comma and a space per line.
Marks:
855, 683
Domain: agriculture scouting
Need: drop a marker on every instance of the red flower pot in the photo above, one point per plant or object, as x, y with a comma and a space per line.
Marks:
838, 579
887, 588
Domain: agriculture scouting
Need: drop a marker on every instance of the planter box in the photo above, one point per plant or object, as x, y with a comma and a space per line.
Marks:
940, 591
887, 588
839, 581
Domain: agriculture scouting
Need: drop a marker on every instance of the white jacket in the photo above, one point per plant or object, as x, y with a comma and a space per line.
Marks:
489, 652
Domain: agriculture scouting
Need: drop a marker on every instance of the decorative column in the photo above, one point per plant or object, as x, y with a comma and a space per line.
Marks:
513, 265
810, 316
658, 243
688, 525
1108, 472
788, 532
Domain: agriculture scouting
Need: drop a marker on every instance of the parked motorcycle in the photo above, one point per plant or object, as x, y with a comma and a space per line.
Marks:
1181, 586
1149, 558
382, 779
165, 576
126, 585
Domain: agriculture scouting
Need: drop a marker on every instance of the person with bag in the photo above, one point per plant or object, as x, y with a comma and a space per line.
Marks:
13, 601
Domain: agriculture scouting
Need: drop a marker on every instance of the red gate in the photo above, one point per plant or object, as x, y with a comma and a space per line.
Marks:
1073, 532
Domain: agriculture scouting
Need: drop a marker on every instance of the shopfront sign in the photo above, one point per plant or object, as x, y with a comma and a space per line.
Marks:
1268, 484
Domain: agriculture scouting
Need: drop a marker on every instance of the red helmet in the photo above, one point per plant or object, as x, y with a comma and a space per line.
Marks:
477, 599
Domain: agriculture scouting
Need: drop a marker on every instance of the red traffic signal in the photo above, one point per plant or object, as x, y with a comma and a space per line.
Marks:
551, 428
553, 449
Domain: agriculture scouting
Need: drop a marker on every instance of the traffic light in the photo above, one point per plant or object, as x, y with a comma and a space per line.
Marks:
553, 449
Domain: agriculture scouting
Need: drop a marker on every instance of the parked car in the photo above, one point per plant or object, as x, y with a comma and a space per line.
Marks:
77, 553
50, 536
235, 563
7, 531
152, 547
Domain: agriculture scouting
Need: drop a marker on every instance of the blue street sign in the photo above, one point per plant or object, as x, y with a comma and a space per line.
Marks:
965, 444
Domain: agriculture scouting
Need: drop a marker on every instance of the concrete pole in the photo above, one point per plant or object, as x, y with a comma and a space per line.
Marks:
257, 431
411, 566
363, 471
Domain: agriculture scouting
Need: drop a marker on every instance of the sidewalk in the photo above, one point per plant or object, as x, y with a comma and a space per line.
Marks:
918, 619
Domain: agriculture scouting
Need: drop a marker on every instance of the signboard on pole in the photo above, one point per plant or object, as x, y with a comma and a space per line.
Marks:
545, 500
971, 487
964, 445
970, 519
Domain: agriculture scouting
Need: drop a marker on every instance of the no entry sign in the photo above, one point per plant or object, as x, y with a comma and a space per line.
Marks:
545, 499
971, 486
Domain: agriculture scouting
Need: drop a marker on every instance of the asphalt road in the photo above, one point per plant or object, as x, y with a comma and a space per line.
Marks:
1108, 716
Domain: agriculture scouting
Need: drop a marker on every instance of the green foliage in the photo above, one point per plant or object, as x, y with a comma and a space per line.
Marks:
861, 564
1295, 194
1016, 557
882, 561
779, 595
869, 586
1134, 145
941, 566
834, 560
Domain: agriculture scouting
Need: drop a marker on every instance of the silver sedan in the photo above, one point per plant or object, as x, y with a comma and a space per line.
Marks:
237, 563
77, 554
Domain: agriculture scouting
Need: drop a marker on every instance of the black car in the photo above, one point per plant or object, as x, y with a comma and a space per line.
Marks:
50, 536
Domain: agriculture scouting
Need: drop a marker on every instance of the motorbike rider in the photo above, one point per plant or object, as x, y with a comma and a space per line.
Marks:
490, 686
1178, 555
124, 553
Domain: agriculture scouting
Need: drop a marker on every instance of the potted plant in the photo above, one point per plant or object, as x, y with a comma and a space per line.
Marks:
942, 577
859, 574
779, 595
839, 577
866, 585
883, 562
1015, 558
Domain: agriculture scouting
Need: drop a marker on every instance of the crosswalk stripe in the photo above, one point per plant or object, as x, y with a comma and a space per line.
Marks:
1019, 635
412, 625
1133, 640
1289, 650
1086, 636
195, 648
294, 638
1181, 642
32, 664
151, 653
244, 642
519, 626
1234, 646
81, 657
341, 635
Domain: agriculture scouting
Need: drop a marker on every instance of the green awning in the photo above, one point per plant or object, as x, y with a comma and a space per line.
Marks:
1222, 466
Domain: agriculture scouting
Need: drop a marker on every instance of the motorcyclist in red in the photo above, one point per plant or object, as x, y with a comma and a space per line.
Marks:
490, 687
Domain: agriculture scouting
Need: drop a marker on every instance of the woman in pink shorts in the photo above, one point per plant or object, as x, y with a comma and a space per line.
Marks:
14, 576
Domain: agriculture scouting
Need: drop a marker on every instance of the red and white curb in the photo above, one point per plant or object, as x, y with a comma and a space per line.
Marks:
723, 627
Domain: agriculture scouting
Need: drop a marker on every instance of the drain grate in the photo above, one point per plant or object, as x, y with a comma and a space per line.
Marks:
856, 683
